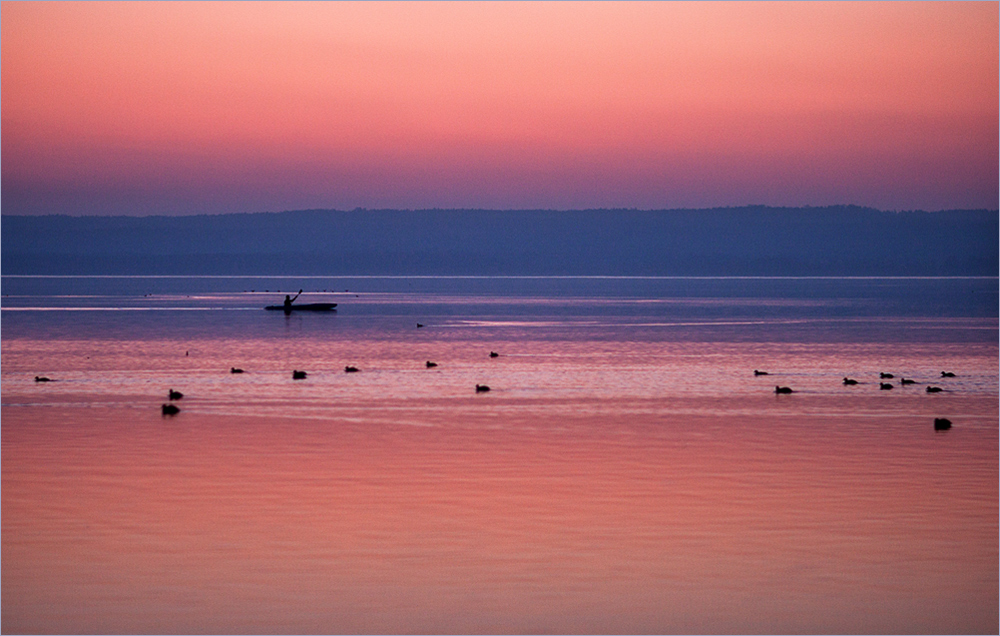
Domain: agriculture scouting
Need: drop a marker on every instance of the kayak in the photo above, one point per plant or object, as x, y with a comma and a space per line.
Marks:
303, 307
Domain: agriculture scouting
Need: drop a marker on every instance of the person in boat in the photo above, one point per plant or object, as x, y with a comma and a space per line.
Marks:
289, 300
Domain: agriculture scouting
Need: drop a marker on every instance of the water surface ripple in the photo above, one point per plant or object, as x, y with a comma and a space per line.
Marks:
627, 472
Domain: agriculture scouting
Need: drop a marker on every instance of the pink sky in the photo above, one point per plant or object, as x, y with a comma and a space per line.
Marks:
142, 108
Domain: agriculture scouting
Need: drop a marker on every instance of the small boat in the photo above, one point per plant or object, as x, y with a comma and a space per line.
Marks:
303, 307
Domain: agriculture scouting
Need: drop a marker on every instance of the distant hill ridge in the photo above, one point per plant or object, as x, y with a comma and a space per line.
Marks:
744, 241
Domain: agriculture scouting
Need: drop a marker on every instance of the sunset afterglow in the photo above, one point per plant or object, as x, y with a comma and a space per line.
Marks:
183, 108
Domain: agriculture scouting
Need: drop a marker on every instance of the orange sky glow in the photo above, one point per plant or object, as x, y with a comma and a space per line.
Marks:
182, 108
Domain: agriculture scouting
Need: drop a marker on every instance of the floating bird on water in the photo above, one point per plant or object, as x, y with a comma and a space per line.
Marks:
756, 372
942, 423
350, 369
169, 409
783, 389
884, 386
42, 378
482, 388
886, 376
419, 325
494, 354
298, 375
431, 365
235, 370
934, 389
849, 381
905, 381
947, 374
174, 395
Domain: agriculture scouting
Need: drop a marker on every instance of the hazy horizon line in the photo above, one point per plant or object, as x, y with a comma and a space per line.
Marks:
504, 276
840, 206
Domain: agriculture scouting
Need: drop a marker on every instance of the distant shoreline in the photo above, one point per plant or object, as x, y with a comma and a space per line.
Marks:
751, 241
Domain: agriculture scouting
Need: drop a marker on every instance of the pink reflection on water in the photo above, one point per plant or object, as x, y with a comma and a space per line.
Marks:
643, 524
601, 487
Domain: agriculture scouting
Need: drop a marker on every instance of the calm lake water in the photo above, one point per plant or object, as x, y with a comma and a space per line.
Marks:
627, 473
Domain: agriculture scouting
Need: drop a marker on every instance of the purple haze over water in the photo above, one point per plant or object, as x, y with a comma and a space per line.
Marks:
627, 472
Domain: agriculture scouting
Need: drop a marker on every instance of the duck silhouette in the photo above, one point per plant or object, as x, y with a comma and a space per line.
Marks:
934, 389
942, 423
947, 374
235, 370
350, 369
174, 395
905, 381
482, 388
431, 365
756, 372
298, 375
494, 354
884, 386
169, 409
849, 381
42, 378
783, 389
886, 376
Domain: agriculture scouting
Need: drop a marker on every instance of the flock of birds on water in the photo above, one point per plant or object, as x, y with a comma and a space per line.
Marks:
883, 386
940, 423
172, 409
